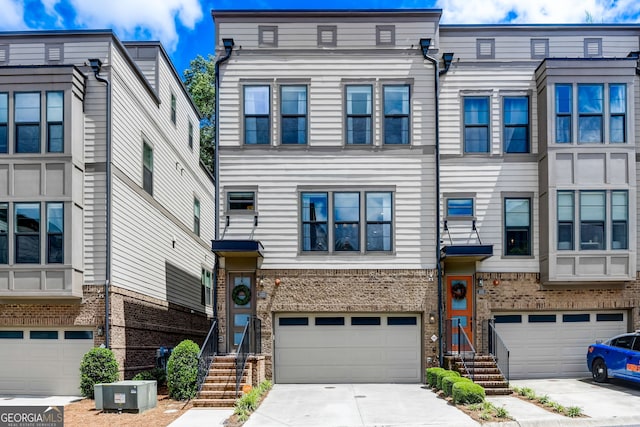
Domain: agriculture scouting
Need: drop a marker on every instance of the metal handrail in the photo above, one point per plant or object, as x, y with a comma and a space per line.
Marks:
207, 353
498, 350
249, 343
464, 348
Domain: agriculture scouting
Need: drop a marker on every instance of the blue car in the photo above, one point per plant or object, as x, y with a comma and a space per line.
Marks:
618, 357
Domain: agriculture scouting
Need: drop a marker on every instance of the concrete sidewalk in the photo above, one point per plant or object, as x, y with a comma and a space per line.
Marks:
37, 400
203, 417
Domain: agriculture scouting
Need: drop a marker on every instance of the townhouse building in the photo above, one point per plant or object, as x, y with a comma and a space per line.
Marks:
384, 178
106, 212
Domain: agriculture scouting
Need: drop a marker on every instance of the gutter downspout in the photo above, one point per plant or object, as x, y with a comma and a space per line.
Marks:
436, 85
96, 65
228, 47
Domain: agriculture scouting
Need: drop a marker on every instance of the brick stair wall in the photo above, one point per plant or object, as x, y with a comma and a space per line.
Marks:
219, 387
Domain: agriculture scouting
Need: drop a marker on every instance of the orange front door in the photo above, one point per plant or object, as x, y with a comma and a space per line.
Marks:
460, 308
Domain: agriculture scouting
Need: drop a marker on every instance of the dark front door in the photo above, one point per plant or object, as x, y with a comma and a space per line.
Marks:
241, 306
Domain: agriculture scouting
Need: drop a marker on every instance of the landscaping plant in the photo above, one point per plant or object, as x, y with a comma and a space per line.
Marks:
248, 403
182, 371
98, 366
449, 380
467, 392
431, 375
441, 375
155, 374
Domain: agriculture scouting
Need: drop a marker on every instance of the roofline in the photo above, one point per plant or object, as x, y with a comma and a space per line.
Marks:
527, 27
57, 33
289, 13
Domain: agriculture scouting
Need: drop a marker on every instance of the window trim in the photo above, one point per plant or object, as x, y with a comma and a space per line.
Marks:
196, 216
245, 115
601, 114
334, 40
17, 124
266, 28
589, 41
204, 273
147, 146
229, 191
492, 46
382, 28
453, 196
505, 228
50, 234
17, 234
396, 116
488, 99
54, 123
538, 41
506, 126
346, 115
5, 124
283, 116
174, 109
190, 138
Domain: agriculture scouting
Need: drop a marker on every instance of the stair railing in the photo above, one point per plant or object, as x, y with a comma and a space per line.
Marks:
249, 343
207, 353
459, 344
498, 350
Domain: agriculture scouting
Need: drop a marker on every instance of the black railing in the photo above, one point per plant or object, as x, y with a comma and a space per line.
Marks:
207, 353
459, 344
250, 343
498, 350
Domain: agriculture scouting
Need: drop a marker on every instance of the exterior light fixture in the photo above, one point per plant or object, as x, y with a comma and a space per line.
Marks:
432, 317
424, 45
480, 282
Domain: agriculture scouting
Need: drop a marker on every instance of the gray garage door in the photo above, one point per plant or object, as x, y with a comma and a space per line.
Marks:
346, 348
554, 344
42, 361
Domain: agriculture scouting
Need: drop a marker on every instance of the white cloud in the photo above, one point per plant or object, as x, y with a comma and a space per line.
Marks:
537, 11
156, 19
11, 17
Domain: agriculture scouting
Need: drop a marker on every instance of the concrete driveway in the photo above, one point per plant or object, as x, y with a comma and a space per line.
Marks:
331, 405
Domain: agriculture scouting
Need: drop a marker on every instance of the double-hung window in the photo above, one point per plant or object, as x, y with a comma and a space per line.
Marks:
592, 220
335, 222
293, 114
4, 233
566, 217
55, 127
516, 124
517, 221
619, 219
617, 113
27, 120
257, 114
147, 168
476, 124
314, 221
27, 233
346, 221
55, 233
4, 120
196, 216
190, 135
173, 109
359, 114
396, 114
564, 110
205, 281
590, 112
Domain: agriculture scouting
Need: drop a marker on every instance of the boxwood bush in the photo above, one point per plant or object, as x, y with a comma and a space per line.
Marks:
448, 382
182, 371
444, 374
467, 392
98, 366
155, 374
431, 375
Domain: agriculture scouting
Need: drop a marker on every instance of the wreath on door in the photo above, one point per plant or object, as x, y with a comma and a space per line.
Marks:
241, 295
458, 291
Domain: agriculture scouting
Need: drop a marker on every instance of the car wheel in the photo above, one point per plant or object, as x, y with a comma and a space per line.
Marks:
599, 371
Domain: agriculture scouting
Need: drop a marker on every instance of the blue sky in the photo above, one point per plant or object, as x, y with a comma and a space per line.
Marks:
186, 29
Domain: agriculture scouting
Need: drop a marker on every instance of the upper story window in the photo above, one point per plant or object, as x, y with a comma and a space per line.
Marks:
333, 221
196, 216
359, 114
396, 114
516, 124
205, 280
190, 135
27, 119
55, 233
4, 233
293, 114
4, 121
601, 113
173, 109
600, 213
241, 201
55, 125
257, 107
476, 124
27, 233
517, 226
460, 207
147, 168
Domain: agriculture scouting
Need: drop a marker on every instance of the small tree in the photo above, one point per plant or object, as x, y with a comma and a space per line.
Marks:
98, 366
182, 371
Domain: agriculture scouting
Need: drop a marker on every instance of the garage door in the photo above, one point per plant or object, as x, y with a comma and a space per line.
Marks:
554, 344
345, 348
42, 362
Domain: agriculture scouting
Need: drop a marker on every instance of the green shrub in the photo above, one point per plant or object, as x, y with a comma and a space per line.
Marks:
449, 380
431, 375
501, 412
467, 392
248, 403
98, 366
155, 374
182, 371
441, 375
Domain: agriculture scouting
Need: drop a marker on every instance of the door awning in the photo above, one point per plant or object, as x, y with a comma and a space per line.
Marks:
467, 252
237, 248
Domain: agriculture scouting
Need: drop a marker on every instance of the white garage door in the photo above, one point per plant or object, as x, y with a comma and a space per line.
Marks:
554, 344
42, 362
347, 348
